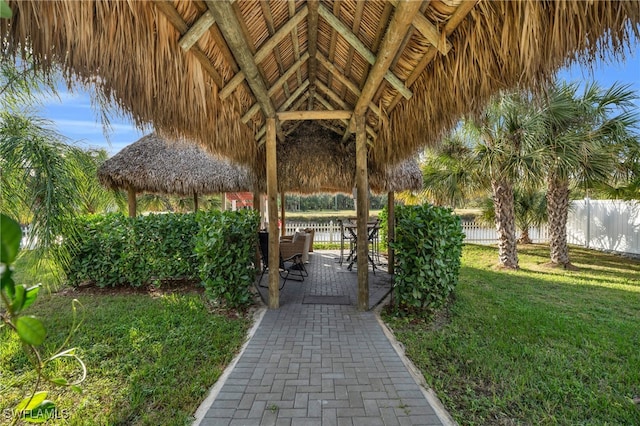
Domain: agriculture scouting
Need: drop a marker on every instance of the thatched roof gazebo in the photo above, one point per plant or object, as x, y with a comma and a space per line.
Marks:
236, 75
153, 164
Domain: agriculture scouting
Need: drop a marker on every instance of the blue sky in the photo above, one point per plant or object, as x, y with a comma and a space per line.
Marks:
74, 117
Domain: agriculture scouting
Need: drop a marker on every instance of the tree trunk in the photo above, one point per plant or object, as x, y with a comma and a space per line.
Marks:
524, 237
505, 224
557, 210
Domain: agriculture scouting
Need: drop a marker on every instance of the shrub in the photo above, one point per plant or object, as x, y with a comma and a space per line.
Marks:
428, 247
116, 250
226, 248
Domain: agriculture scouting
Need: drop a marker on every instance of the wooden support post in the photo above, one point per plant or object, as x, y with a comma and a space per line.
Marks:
362, 186
391, 231
223, 201
195, 201
282, 227
272, 195
131, 196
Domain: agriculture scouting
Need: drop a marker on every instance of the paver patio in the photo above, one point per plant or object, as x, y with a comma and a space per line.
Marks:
322, 364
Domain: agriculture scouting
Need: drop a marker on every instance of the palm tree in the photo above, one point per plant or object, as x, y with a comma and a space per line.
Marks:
581, 140
530, 209
505, 153
449, 173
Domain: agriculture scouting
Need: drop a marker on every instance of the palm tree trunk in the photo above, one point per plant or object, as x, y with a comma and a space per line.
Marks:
524, 237
505, 224
557, 210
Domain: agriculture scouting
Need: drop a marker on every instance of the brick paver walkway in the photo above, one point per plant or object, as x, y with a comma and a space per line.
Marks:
315, 364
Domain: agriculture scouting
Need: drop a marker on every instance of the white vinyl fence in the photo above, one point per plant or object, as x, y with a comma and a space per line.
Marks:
608, 225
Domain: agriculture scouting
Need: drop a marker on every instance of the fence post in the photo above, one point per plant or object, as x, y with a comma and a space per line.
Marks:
331, 231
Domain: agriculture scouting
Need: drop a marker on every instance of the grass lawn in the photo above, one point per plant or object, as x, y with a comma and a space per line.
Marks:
150, 359
537, 346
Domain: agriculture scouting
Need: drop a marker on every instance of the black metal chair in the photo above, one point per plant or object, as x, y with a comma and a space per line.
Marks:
291, 268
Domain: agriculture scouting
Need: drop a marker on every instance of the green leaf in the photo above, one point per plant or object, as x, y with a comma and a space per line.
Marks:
5, 10
30, 296
40, 414
76, 388
18, 299
10, 236
29, 403
60, 381
31, 330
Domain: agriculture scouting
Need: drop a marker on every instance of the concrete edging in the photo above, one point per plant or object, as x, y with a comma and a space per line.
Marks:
428, 393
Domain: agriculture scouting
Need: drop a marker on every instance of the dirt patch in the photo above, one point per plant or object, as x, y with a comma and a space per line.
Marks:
178, 286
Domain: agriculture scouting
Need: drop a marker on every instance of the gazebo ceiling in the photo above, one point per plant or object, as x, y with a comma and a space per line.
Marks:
213, 71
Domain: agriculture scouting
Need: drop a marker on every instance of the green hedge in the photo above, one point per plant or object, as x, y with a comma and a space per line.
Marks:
214, 247
116, 250
428, 248
226, 249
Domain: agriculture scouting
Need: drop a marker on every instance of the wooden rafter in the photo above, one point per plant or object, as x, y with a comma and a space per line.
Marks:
355, 28
363, 50
231, 30
276, 86
265, 49
429, 31
294, 39
268, 18
460, 13
312, 46
294, 96
334, 38
196, 31
338, 75
398, 27
167, 9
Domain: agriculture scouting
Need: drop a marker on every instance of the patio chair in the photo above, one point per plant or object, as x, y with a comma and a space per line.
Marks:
291, 267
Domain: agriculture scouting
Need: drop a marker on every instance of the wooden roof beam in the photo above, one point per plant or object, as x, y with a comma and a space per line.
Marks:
276, 86
265, 49
230, 27
454, 20
196, 31
429, 31
315, 115
312, 46
300, 91
170, 12
363, 50
398, 27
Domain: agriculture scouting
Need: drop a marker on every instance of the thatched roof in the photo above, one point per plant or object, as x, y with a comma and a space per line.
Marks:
152, 164
314, 159
213, 70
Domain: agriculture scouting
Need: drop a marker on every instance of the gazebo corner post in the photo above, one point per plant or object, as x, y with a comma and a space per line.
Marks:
282, 218
362, 213
195, 201
272, 205
131, 201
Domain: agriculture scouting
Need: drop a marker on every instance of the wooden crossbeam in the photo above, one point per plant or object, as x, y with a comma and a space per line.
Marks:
454, 20
353, 40
276, 86
170, 12
398, 27
196, 31
340, 102
231, 30
314, 115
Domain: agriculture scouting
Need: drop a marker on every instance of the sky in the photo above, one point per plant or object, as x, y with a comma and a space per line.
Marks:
74, 117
